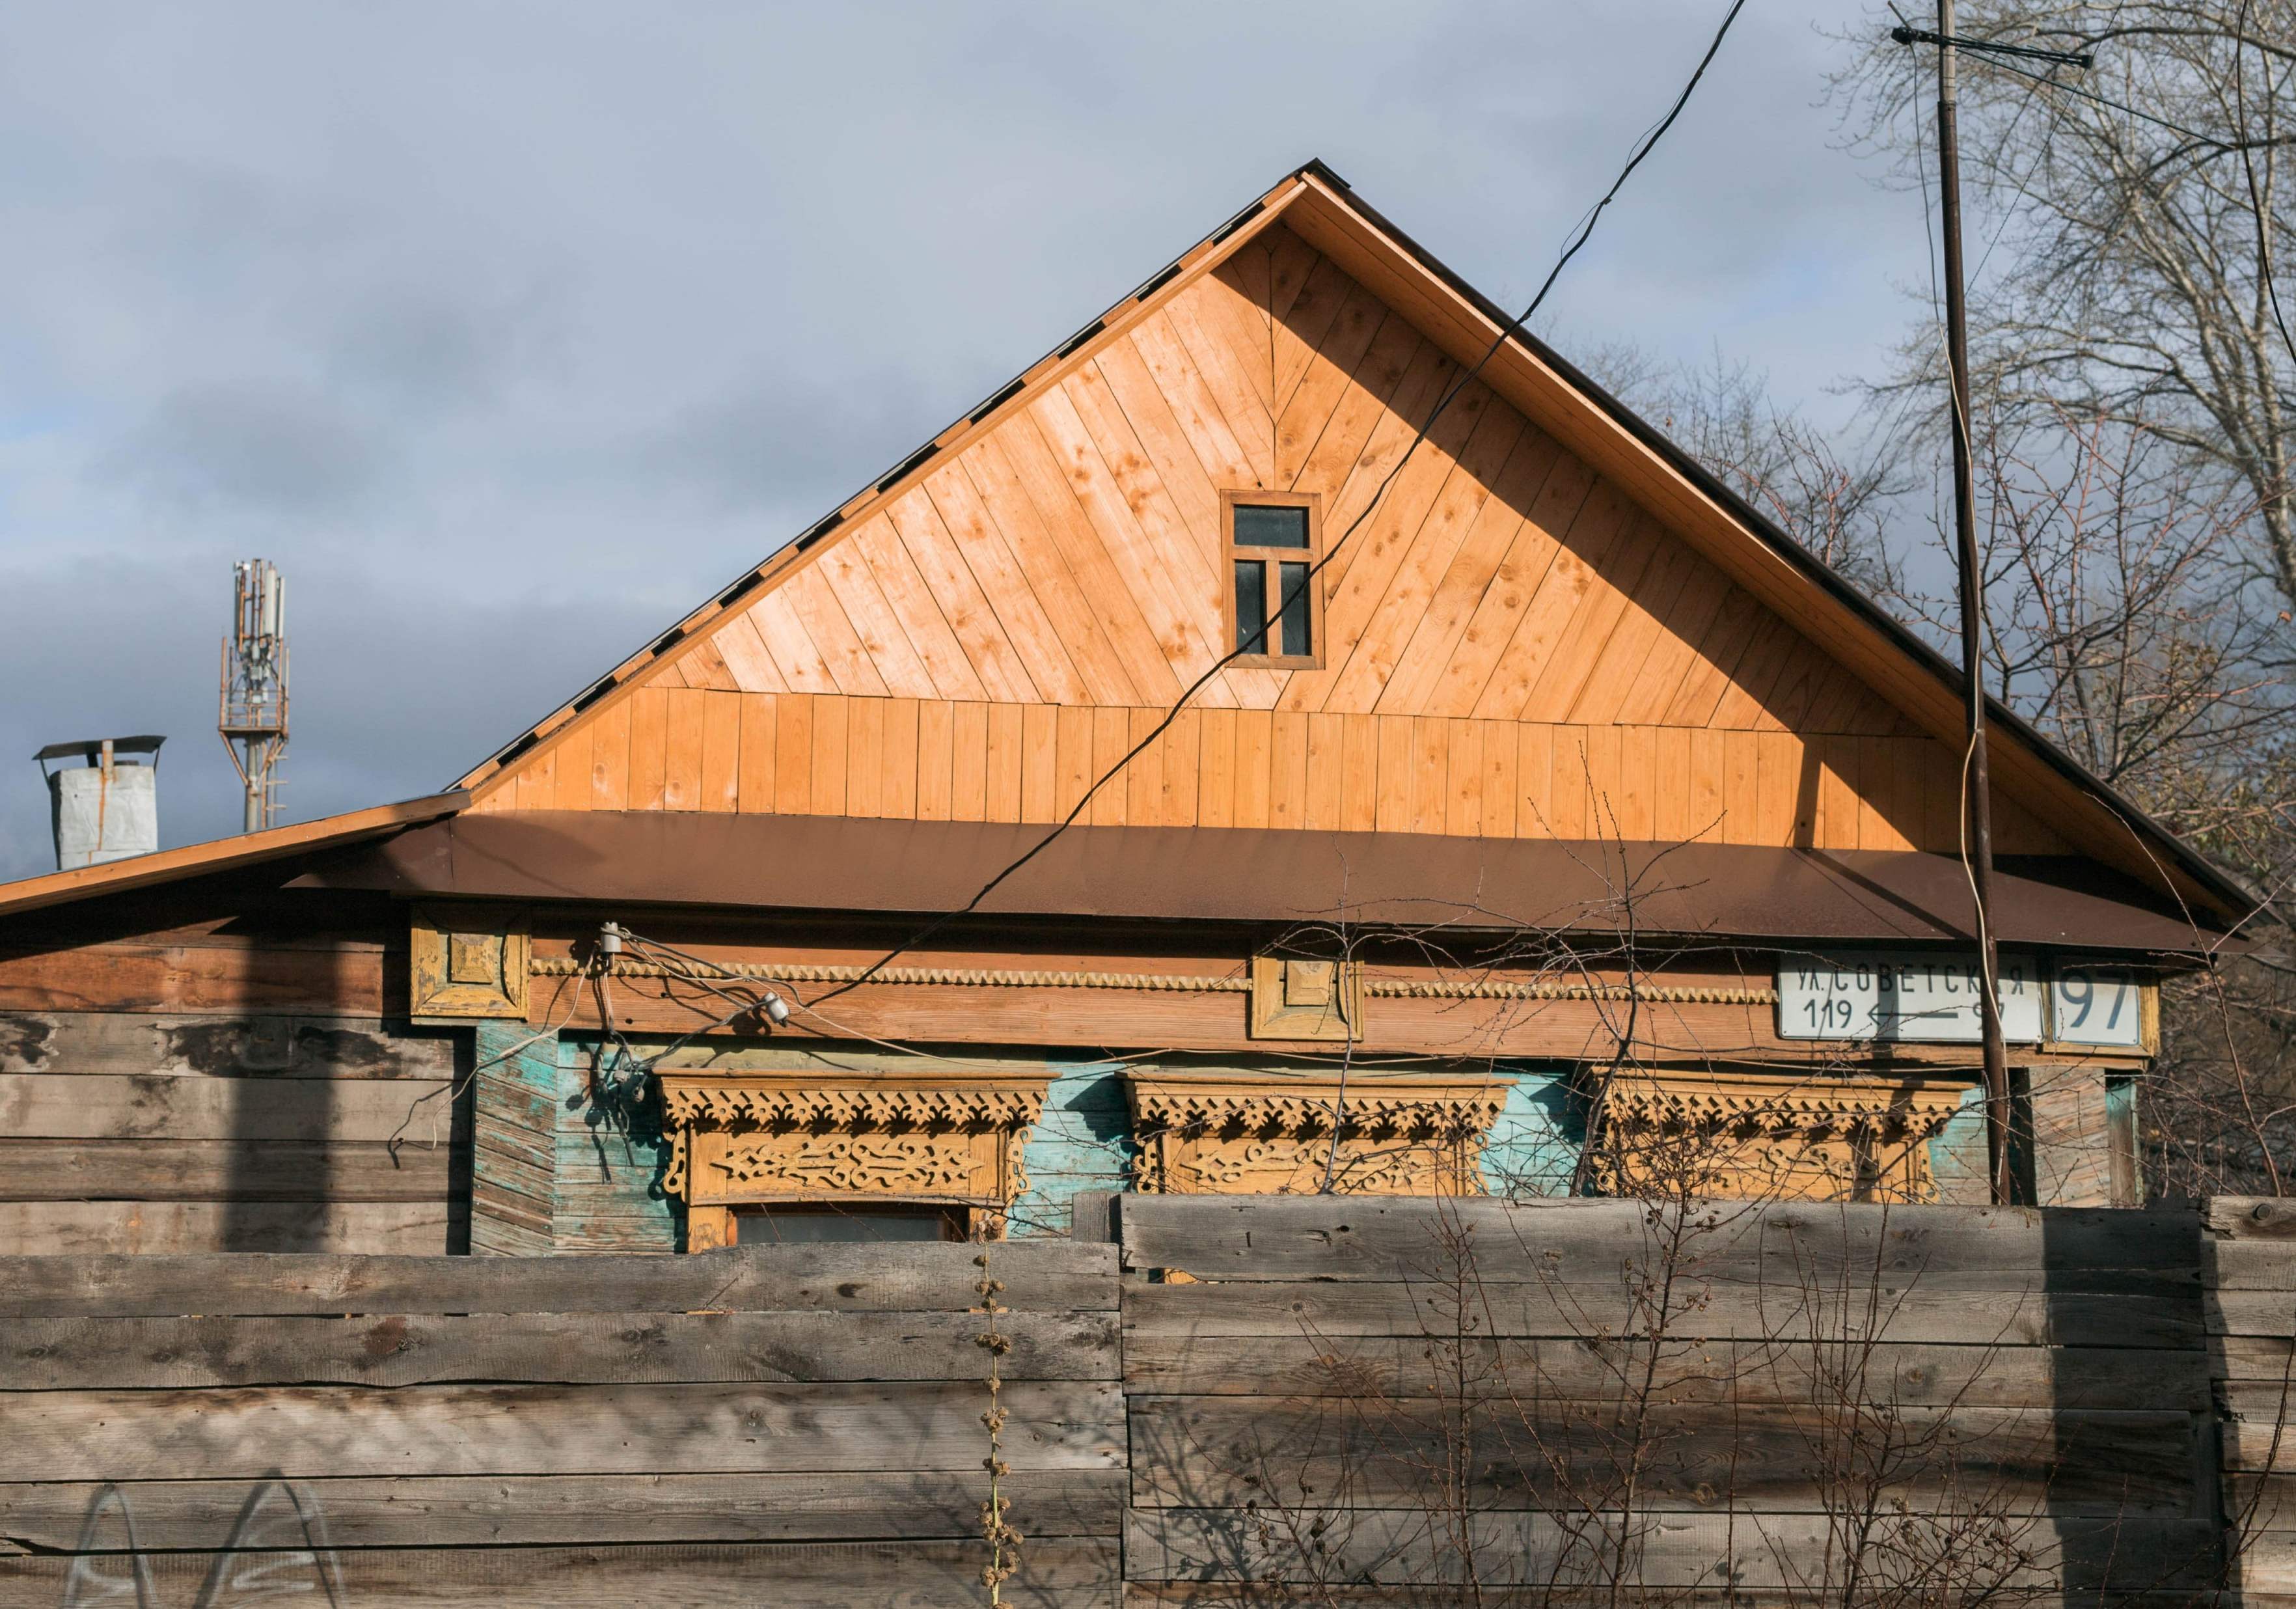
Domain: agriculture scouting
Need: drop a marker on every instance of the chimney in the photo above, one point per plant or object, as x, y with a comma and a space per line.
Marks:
107, 808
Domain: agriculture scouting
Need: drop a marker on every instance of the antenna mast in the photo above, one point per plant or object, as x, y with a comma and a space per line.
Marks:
253, 717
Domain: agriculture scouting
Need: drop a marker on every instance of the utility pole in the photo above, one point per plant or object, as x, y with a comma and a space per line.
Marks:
1977, 803
1977, 797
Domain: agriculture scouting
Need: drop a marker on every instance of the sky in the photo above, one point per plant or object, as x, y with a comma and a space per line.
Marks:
510, 331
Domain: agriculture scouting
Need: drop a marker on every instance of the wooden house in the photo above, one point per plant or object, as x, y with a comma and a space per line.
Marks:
1566, 791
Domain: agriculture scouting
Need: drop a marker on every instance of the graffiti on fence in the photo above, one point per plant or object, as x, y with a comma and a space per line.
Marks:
277, 1549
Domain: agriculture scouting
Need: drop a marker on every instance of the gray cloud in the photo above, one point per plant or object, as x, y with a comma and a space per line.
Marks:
512, 331
269, 448
764, 442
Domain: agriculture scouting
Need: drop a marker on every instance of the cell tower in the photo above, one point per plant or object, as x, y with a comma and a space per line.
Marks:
254, 714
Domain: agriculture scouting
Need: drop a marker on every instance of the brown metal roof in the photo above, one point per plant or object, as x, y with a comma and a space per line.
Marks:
1183, 874
221, 854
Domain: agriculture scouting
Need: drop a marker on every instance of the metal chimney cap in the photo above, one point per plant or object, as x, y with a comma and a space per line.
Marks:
91, 749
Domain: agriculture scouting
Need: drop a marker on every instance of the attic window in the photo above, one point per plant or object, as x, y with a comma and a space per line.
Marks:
1274, 601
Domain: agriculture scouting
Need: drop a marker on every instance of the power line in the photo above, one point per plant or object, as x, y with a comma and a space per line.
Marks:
1584, 231
2191, 133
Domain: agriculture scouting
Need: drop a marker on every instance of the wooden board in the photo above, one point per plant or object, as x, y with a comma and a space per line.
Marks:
170, 1170
899, 1575
1043, 1277
229, 981
77, 1229
110, 1044
60, 1354
1540, 1453
331, 1430
569, 1509
1325, 1237
1415, 1366
1936, 1311
1402, 1546
117, 1106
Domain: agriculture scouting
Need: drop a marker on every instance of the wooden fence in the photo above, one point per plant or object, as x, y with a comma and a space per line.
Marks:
797, 1426
1242, 1400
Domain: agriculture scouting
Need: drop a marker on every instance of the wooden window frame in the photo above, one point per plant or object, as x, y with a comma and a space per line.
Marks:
1230, 551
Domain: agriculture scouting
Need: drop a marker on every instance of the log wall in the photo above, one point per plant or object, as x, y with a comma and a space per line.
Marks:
1270, 1400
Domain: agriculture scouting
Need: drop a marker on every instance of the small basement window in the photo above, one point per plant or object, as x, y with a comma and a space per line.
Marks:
1275, 598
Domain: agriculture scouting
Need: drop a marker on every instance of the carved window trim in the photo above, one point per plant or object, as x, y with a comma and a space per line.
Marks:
1270, 1132
933, 1137
1777, 1135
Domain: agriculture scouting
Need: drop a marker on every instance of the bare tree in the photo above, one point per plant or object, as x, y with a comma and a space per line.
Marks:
1833, 497
2136, 219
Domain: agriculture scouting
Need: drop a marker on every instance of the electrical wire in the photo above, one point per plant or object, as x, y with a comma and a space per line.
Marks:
1583, 232
453, 1090
2209, 140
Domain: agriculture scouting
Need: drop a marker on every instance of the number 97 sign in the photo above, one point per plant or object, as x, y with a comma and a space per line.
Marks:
2095, 1005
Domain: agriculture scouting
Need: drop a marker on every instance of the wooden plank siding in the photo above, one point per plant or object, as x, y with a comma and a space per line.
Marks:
933, 760
1071, 555
209, 1127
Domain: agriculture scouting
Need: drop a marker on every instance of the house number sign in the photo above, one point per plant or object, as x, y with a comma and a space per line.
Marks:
1928, 998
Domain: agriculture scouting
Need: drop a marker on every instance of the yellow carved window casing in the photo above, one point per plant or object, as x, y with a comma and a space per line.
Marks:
1274, 1133
929, 1137
1762, 1137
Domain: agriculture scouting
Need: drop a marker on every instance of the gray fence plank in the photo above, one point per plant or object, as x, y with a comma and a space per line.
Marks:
1534, 1551
269, 1046
58, 1354
836, 1575
1039, 1276
1931, 1312
1231, 1451
311, 1431
1683, 1371
569, 1510
266, 1170
1389, 1238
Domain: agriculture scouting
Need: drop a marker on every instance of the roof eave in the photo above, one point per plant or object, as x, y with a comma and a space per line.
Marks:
223, 854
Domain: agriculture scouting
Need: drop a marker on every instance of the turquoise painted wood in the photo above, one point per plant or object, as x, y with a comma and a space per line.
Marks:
1082, 1142
610, 1153
1958, 1156
1533, 1148
514, 1166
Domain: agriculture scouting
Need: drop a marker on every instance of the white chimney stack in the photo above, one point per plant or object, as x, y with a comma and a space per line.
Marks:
108, 807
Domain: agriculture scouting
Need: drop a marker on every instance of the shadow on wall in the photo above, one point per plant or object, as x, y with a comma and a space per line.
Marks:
2131, 1281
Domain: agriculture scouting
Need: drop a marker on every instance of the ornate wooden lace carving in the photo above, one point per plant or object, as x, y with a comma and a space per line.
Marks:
771, 1137
1764, 1136
735, 1101
1202, 1135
